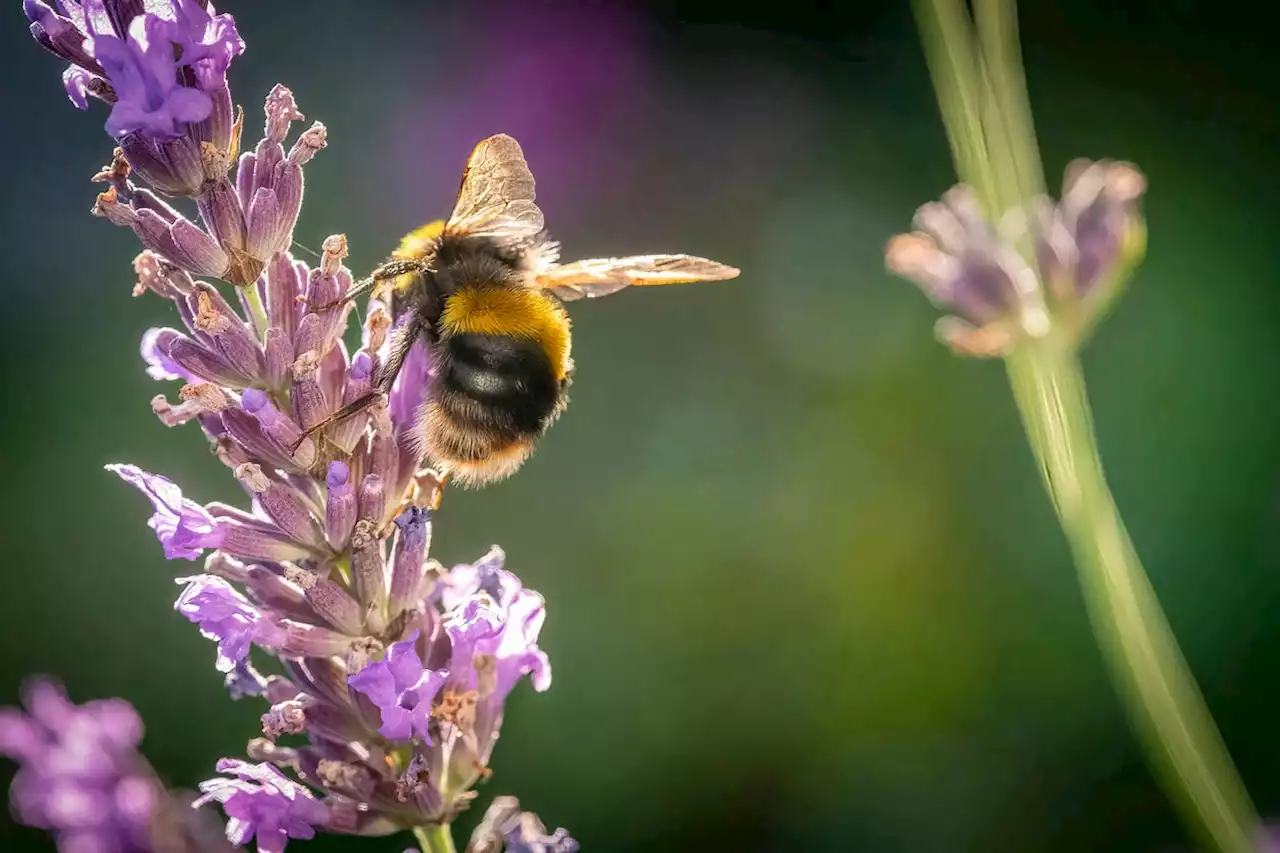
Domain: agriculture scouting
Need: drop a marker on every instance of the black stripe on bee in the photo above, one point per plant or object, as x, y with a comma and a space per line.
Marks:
498, 384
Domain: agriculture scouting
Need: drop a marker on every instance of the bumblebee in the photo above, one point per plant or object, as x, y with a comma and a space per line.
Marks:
484, 291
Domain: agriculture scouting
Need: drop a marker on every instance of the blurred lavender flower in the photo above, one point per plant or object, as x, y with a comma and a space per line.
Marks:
82, 778
396, 670
1082, 248
505, 827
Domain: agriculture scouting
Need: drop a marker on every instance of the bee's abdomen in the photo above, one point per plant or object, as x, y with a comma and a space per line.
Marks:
494, 395
498, 384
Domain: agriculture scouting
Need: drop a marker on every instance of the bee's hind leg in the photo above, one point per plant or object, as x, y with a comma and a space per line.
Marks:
352, 408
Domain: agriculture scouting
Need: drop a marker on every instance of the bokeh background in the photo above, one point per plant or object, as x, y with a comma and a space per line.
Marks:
804, 591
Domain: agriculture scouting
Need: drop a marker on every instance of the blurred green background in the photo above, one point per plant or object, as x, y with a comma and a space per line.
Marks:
804, 591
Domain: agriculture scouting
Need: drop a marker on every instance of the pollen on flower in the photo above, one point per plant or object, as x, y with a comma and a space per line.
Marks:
362, 534
207, 396
208, 318
286, 718
107, 205
456, 707
338, 774
303, 578
147, 267
115, 171
305, 364
253, 477
364, 650
334, 249
377, 326
416, 777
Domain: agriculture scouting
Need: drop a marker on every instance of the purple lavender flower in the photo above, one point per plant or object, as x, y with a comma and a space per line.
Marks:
1087, 244
144, 76
396, 671
966, 265
261, 801
184, 528
162, 68
1080, 251
402, 689
227, 617
82, 778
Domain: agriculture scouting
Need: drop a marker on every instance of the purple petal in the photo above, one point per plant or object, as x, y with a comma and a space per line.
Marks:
184, 528
376, 682
404, 663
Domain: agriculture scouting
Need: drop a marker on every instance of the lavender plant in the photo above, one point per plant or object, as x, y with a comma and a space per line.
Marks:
396, 670
1027, 279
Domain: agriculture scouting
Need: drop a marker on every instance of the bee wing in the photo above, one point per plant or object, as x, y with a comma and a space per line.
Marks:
496, 197
602, 276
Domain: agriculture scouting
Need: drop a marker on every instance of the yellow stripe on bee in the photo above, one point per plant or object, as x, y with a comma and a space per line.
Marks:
416, 243
514, 312
415, 246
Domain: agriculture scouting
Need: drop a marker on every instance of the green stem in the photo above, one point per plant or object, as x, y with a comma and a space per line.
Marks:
256, 310
435, 838
1148, 667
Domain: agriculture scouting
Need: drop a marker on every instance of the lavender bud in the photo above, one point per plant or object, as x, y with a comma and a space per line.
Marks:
173, 167
348, 432
370, 573
266, 230
214, 317
199, 361
309, 641
308, 400
279, 357
222, 214
328, 599
283, 505
247, 432
340, 506
278, 426
412, 540
373, 499
284, 285
191, 249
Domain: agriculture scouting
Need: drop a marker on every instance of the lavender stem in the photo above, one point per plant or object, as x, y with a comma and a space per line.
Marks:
435, 838
256, 310
1132, 630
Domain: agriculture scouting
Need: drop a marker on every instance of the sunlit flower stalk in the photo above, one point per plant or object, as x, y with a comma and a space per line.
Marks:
1027, 279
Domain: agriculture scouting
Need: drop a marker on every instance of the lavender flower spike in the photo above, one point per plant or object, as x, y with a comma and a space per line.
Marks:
395, 670
82, 779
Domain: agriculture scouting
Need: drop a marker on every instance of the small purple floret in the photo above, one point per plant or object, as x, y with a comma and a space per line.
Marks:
183, 527
262, 802
144, 74
402, 690
225, 616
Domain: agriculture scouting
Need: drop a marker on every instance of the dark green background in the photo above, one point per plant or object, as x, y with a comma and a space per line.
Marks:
804, 592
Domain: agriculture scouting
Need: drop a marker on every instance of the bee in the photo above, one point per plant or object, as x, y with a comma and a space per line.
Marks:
484, 291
